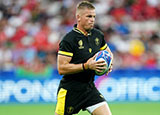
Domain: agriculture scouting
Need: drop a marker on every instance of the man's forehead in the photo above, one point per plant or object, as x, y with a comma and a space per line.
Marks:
88, 11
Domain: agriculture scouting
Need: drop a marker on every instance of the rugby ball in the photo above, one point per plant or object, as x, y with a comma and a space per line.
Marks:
106, 56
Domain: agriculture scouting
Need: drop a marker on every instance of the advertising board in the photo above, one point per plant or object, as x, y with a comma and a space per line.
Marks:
120, 85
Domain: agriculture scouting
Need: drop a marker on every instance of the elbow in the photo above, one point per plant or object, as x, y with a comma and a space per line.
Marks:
60, 71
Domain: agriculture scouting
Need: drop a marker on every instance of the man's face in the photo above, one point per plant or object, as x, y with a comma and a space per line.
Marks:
87, 18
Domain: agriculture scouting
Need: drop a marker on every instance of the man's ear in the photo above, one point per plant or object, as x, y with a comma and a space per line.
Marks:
78, 17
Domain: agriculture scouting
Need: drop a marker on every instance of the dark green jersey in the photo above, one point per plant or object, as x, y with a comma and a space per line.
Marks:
80, 47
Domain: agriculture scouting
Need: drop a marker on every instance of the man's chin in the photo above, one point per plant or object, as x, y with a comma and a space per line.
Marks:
89, 29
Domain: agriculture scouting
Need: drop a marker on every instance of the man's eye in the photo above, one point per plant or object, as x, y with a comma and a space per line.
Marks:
90, 16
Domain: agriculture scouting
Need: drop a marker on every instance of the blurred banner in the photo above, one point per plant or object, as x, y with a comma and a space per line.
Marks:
120, 85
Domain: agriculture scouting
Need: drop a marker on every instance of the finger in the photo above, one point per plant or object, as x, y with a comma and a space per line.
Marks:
94, 56
100, 61
111, 62
101, 65
107, 73
110, 70
100, 68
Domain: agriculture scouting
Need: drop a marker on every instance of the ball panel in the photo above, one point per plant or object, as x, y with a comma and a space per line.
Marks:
103, 55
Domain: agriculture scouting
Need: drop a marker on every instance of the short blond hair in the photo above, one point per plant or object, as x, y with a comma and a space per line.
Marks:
84, 4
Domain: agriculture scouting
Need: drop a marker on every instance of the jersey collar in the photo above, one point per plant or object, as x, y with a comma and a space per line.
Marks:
80, 31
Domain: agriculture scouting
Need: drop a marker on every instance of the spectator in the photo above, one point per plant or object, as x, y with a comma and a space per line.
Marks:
33, 30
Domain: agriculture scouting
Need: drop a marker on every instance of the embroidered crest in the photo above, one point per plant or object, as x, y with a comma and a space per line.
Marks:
97, 41
90, 50
70, 110
80, 43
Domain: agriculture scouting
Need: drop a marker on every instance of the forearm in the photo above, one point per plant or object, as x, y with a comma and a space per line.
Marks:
71, 68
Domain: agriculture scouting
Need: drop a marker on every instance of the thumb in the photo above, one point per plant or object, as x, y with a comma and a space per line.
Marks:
94, 56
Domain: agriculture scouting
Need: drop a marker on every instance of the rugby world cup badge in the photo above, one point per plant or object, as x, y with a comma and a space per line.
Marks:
80, 43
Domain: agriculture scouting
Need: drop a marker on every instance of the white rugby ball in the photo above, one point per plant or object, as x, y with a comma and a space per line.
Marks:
103, 55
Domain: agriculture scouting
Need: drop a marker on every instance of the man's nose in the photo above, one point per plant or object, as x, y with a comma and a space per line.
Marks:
92, 19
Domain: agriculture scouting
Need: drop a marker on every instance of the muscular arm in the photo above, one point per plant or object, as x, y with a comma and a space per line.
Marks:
65, 67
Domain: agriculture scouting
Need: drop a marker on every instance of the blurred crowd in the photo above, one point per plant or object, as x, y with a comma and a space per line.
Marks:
30, 31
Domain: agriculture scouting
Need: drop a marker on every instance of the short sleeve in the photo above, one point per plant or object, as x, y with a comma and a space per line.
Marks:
65, 48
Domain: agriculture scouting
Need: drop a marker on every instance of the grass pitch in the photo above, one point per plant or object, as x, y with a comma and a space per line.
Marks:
137, 108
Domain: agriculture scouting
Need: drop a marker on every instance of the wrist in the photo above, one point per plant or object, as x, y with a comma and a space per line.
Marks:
83, 67
86, 66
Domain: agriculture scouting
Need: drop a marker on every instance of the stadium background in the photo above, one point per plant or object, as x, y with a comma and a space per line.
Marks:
30, 31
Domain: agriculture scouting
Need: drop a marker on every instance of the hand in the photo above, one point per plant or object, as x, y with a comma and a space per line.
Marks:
98, 66
110, 69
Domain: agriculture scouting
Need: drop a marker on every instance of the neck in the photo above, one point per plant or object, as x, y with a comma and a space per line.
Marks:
80, 28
